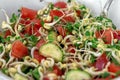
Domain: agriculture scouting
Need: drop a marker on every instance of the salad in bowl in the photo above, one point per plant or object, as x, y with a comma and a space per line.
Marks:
62, 41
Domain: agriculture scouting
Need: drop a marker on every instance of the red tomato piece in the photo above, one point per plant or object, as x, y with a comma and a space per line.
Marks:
101, 62
28, 13
106, 35
98, 34
60, 4
61, 30
40, 43
7, 33
116, 34
37, 56
19, 50
68, 19
113, 68
78, 12
57, 70
32, 27
71, 49
54, 13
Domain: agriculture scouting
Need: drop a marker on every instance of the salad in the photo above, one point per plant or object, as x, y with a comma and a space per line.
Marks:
62, 41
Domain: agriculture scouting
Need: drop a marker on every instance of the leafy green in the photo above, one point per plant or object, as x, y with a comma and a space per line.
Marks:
51, 5
69, 27
87, 33
2, 40
1, 49
42, 22
56, 17
33, 39
93, 59
35, 74
76, 26
14, 18
69, 1
94, 42
83, 7
105, 74
4, 70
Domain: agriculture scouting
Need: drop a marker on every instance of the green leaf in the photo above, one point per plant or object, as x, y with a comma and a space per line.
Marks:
69, 27
5, 70
35, 74
69, 1
33, 38
94, 42
106, 74
56, 17
87, 33
1, 49
2, 40
14, 18
42, 22
82, 7
93, 59
51, 5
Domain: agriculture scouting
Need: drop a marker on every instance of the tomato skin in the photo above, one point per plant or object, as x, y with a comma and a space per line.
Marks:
106, 35
19, 50
40, 43
54, 13
71, 49
37, 56
61, 30
7, 33
101, 62
78, 12
32, 27
57, 70
60, 4
68, 19
28, 13
113, 68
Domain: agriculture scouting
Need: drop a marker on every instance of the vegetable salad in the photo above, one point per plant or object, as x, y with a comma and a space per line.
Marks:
62, 41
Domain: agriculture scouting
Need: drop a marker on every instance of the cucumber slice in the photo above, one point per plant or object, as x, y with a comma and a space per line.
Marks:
77, 75
52, 36
51, 50
19, 77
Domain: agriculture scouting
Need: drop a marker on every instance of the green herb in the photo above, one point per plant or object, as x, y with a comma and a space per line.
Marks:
92, 59
33, 38
87, 33
4, 70
99, 18
99, 28
56, 17
105, 74
1, 49
42, 22
83, 7
35, 74
69, 1
109, 54
51, 5
69, 27
94, 42
14, 18
76, 26
2, 40
8, 39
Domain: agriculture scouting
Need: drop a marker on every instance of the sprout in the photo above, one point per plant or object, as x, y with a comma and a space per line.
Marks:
6, 25
50, 25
